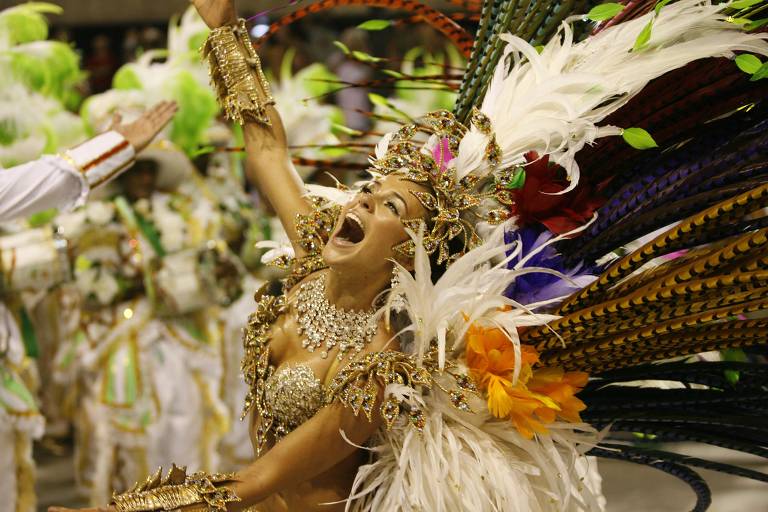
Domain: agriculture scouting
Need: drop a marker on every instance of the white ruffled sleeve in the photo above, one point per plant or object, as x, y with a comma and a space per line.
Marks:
63, 181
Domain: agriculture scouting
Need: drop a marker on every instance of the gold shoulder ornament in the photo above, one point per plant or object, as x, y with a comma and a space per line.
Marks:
357, 385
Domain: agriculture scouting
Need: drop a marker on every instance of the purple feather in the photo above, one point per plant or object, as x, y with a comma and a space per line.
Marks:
540, 286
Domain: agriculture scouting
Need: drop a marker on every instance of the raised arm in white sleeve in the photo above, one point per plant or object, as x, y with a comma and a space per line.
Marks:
63, 181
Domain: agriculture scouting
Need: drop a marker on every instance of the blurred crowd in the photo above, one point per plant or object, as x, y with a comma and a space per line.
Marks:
103, 52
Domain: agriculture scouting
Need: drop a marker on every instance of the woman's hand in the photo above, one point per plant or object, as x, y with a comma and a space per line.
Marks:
216, 13
141, 131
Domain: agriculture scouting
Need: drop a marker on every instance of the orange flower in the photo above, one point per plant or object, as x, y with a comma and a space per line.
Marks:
561, 387
539, 396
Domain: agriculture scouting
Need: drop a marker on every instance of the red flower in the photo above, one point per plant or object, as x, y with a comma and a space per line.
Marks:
537, 200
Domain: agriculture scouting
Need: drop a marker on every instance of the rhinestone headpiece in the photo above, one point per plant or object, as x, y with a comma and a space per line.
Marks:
454, 204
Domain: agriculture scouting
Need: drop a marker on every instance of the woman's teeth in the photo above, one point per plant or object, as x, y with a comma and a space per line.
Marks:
358, 221
351, 232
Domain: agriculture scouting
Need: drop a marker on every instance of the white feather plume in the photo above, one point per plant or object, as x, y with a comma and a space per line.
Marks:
472, 461
334, 195
471, 289
275, 250
463, 461
552, 102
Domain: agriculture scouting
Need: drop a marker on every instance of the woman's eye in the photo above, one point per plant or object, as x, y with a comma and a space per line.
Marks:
366, 189
391, 206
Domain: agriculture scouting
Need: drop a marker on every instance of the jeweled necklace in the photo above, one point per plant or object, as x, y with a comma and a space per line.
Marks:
324, 326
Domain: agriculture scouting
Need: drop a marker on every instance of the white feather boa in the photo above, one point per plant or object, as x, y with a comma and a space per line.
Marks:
551, 102
471, 461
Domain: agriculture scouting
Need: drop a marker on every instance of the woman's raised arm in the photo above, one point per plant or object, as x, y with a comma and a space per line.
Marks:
270, 167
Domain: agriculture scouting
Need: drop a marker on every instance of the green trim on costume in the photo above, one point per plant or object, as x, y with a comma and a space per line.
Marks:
28, 335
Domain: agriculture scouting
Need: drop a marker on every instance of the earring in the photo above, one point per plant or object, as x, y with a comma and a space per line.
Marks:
394, 282
396, 300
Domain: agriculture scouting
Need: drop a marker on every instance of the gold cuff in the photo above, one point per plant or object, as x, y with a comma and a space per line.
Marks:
236, 74
178, 490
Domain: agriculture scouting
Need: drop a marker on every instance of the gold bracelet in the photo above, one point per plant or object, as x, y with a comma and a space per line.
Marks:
178, 490
236, 74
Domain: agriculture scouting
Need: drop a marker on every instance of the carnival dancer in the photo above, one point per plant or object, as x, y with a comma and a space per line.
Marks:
458, 397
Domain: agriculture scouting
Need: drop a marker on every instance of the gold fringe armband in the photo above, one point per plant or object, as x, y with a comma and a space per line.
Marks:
197, 491
236, 74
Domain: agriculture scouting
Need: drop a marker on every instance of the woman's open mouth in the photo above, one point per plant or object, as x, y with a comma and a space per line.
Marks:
351, 231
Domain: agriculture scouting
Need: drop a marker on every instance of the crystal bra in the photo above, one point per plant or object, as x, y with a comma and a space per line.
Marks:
294, 394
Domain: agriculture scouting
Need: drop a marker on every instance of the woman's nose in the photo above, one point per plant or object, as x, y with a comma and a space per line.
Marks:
367, 203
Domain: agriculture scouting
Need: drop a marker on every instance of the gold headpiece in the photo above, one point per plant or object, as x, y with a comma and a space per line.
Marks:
455, 204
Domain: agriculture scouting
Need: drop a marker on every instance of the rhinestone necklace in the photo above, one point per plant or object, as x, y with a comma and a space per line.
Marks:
324, 326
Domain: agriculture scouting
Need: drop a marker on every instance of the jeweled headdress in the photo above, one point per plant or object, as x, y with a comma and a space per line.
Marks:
456, 205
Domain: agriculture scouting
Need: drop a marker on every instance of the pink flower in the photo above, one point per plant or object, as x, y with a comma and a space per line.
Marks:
442, 154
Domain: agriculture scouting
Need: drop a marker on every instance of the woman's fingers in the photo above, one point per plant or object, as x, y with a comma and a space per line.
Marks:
141, 132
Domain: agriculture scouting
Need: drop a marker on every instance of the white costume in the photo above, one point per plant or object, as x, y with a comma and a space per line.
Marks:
63, 181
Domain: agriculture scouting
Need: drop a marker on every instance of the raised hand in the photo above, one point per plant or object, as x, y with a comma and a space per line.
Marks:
216, 13
141, 131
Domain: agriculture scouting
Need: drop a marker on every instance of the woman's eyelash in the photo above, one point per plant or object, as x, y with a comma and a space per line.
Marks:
366, 189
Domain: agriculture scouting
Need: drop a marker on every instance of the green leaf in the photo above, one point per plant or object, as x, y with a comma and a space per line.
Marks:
202, 150
604, 12
346, 130
317, 80
754, 25
748, 63
743, 4
334, 152
517, 181
42, 218
193, 330
378, 99
341, 46
737, 355
643, 37
760, 73
375, 24
392, 72
660, 5
364, 57
638, 138
739, 21
539, 48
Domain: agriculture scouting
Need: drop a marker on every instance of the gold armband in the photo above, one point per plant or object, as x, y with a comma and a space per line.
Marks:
176, 490
236, 74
